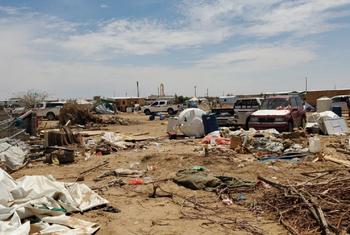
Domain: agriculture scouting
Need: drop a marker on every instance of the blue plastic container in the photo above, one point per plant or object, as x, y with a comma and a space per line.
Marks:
210, 123
337, 110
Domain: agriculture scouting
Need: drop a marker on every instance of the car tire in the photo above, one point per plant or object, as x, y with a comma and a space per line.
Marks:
50, 116
247, 123
303, 122
290, 126
171, 111
147, 112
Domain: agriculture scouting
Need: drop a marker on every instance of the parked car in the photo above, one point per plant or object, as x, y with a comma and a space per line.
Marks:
342, 101
15, 110
225, 117
161, 106
280, 112
243, 108
49, 110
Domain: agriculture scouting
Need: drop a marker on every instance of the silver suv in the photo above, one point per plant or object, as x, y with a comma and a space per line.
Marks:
244, 107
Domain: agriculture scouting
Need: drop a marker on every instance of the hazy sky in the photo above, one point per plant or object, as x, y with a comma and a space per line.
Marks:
82, 48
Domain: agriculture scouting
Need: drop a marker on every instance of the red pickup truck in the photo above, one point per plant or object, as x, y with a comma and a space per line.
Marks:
280, 112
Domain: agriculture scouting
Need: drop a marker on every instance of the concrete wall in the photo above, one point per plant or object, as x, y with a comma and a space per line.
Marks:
312, 96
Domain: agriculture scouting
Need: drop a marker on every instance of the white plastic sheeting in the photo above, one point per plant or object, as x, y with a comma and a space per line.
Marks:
190, 122
48, 200
328, 122
117, 140
12, 152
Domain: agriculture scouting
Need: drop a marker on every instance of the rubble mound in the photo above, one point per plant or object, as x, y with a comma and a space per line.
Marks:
76, 113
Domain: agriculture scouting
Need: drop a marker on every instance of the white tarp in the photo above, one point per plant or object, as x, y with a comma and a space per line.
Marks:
12, 152
48, 200
116, 140
328, 122
191, 123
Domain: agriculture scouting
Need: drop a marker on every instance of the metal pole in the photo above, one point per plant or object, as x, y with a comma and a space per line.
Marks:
138, 91
305, 84
195, 91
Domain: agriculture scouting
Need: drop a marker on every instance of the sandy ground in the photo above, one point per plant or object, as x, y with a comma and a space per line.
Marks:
141, 214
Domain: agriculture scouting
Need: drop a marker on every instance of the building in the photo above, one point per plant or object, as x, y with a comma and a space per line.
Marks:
312, 96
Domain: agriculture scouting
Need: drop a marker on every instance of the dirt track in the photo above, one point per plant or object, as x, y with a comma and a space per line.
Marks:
141, 214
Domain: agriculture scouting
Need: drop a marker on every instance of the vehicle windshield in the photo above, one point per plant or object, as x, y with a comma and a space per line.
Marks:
275, 103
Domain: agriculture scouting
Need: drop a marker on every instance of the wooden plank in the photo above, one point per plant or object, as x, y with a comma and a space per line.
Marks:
337, 160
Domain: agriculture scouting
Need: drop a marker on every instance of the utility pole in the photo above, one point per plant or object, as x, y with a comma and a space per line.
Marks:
207, 92
138, 91
305, 84
195, 91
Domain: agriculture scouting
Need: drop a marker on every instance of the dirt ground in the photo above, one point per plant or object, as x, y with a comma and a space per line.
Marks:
141, 214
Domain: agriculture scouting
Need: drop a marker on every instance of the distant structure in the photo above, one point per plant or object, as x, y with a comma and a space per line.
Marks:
161, 90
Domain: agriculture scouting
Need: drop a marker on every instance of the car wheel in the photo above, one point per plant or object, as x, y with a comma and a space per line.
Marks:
170, 111
290, 126
147, 112
247, 124
50, 116
303, 122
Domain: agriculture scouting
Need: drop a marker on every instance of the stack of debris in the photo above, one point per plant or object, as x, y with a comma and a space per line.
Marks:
310, 208
76, 113
80, 114
266, 145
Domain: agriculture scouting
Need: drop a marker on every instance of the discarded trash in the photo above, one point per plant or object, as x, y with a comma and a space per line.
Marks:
235, 142
121, 172
172, 126
227, 201
60, 156
265, 144
214, 138
136, 181
314, 144
12, 153
103, 109
116, 140
111, 209
210, 123
288, 157
199, 168
48, 200
328, 122
195, 180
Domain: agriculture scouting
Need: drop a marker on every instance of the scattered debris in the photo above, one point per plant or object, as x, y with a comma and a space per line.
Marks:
309, 208
327, 122
48, 200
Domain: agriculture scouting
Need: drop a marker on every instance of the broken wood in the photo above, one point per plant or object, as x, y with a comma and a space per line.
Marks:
83, 173
337, 160
343, 151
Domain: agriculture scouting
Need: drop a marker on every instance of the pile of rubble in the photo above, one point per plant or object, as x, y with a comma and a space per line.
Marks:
82, 115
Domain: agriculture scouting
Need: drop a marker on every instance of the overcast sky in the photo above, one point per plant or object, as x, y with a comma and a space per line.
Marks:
82, 48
